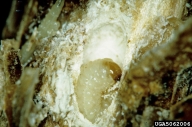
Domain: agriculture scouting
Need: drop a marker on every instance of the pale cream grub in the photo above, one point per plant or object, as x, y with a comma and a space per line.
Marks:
95, 79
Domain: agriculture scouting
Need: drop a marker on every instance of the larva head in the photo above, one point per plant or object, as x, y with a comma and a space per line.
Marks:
115, 70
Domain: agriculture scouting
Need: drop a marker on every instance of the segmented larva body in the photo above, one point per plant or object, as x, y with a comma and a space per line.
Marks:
95, 78
102, 68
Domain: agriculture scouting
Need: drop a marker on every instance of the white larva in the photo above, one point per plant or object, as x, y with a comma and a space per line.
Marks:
91, 86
